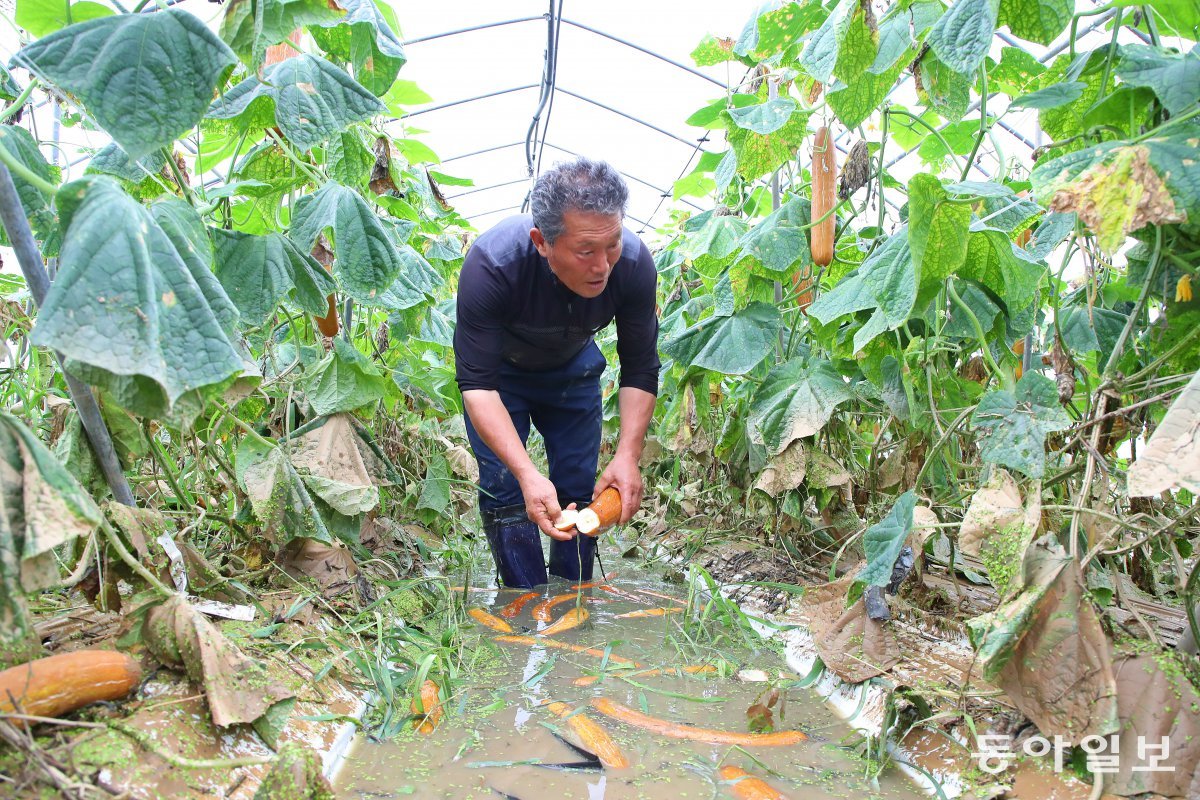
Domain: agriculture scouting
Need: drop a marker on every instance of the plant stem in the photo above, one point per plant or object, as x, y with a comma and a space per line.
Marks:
936, 133
933, 451
114, 541
1151, 271
987, 351
34, 270
290, 152
159, 456
880, 169
184, 187
246, 429
983, 126
16, 105
26, 174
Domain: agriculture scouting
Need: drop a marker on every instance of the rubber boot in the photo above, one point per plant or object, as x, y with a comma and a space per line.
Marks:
573, 559
516, 545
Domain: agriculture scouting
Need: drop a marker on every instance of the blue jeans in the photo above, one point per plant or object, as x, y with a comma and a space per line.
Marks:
564, 405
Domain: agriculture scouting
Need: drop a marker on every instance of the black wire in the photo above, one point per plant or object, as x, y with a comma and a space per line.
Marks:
553, 85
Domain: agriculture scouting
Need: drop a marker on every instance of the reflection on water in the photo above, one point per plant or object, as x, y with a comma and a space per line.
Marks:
497, 741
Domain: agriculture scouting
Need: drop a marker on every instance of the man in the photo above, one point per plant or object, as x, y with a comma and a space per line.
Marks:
532, 294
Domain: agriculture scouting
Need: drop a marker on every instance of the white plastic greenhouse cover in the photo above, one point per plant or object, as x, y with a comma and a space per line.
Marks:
623, 102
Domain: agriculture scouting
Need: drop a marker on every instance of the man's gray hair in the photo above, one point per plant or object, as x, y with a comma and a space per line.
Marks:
581, 185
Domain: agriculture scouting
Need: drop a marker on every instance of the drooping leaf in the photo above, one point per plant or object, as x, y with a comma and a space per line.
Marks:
21, 146
858, 46
857, 99
1171, 459
716, 238
821, 52
1117, 188
367, 262
435, 490
112, 160
348, 158
1047, 648
43, 17
279, 19
306, 96
189, 236
237, 688
777, 27
1039, 21
948, 92
780, 242
1014, 424
937, 230
146, 78
367, 39
886, 282
884, 540
125, 304
732, 345
258, 271
1094, 329
996, 262
278, 495
765, 118
343, 381
963, 35
796, 400
758, 154
41, 507
416, 280
338, 466
1174, 77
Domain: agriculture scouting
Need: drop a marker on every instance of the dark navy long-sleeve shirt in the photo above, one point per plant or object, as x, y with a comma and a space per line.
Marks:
511, 308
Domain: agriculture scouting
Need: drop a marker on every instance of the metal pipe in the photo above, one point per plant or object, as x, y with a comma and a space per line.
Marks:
481, 152
648, 52
471, 29
486, 188
13, 216
630, 117
440, 106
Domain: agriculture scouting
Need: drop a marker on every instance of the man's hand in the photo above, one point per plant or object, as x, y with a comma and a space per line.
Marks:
623, 473
541, 504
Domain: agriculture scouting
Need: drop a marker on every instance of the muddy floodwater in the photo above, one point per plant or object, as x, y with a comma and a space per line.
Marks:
500, 739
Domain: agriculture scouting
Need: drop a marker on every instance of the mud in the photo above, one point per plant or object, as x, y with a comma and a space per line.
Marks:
498, 740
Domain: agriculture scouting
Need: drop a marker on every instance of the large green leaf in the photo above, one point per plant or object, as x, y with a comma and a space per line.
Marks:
886, 282
367, 262
1174, 77
348, 158
189, 236
767, 117
21, 146
343, 381
146, 78
416, 280
994, 261
796, 400
1120, 187
42, 17
733, 345
112, 160
857, 99
1038, 21
820, 55
778, 27
1181, 16
937, 229
963, 36
1091, 329
884, 540
716, 238
125, 304
758, 154
858, 46
306, 96
257, 271
279, 19
1014, 424
367, 39
780, 242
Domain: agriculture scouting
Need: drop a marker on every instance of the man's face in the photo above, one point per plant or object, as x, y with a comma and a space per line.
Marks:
583, 255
